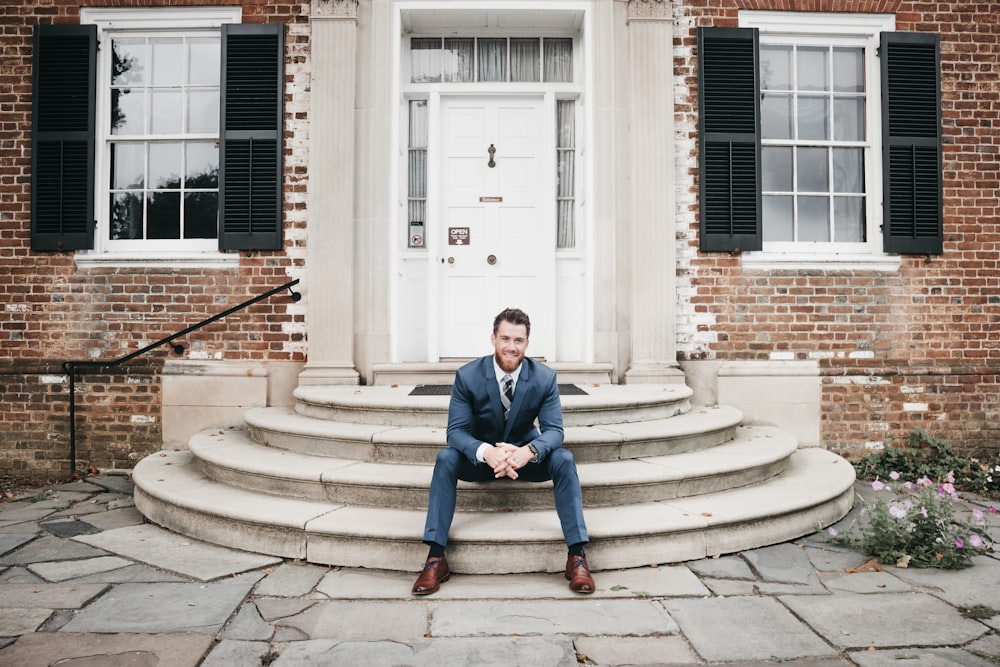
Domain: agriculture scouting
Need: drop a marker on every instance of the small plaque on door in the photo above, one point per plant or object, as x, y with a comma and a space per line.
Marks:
490, 200
458, 236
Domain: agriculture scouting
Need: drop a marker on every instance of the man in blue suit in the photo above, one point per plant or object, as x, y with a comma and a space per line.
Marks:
491, 434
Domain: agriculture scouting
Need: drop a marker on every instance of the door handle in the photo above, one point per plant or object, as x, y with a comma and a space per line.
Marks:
491, 260
492, 151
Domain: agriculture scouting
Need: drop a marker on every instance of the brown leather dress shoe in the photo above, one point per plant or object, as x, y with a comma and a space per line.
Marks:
578, 574
434, 574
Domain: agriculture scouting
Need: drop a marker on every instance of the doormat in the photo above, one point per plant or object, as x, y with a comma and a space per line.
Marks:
445, 390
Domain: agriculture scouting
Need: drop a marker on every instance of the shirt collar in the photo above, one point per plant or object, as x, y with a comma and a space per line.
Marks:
501, 372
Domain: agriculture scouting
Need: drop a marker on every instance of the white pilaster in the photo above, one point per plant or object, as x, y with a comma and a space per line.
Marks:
651, 168
330, 250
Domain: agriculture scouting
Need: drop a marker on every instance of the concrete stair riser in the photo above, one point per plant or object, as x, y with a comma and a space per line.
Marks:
231, 458
282, 429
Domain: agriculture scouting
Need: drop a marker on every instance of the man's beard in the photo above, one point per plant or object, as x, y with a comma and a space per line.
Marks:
505, 364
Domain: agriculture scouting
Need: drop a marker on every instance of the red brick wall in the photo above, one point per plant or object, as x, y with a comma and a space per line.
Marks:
52, 311
917, 347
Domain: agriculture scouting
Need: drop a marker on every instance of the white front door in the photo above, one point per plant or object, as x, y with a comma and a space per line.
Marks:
496, 243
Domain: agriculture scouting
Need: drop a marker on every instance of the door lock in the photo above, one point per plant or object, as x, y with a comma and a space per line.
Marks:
491, 260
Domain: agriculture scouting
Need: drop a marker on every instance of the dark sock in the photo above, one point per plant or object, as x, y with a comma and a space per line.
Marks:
577, 549
436, 551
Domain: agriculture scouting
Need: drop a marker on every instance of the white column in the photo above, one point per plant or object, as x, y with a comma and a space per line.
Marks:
651, 167
330, 233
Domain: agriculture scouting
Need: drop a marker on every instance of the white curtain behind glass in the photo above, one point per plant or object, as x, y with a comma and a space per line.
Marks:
417, 171
565, 173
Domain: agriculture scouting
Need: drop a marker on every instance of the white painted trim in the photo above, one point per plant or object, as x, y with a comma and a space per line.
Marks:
160, 18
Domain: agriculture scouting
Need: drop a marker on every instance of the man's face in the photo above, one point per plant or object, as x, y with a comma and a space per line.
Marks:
510, 341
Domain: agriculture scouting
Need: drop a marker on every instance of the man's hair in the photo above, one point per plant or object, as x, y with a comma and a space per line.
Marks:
514, 316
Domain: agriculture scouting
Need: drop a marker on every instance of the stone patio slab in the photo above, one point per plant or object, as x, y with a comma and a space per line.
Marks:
494, 652
230, 653
73, 569
979, 584
48, 596
866, 582
627, 618
670, 650
169, 551
119, 518
50, 548
782, 563
360, 620
11, 541
164, 608
94, 650
849, 620
291, 580
14, 622
744, 628
920, 657
726, 567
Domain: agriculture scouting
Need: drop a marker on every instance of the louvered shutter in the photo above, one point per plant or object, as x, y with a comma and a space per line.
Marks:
729, 139
911, 143
62, 137
250, 178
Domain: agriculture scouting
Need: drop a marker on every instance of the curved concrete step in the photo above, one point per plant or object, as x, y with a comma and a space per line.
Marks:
393, 406
232, 458
286, 429
815, 489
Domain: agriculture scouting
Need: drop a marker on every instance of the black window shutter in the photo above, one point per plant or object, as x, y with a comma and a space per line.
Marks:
62, 137
250, 178
911, 143
729, 139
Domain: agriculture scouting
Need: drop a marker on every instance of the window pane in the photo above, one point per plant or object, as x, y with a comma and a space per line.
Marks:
812, 170
776, 67
418, 124
848, 219
164, 215
776, 168
165, 111
525, 60
425, 60
126, 216
127, 166
776, 116
416, 208
848, 70
848, 170
201, 166
566, 123
814, 219
202, 51
203, 111
128, 62
848, 119
558, 58
777, 218
459, 60
492, 59
167, 61
565, 174
201, 215
165, 165
812, 68
128, 111
812, 117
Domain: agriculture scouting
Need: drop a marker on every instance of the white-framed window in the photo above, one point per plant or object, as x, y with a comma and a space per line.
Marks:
821, 153
157, 134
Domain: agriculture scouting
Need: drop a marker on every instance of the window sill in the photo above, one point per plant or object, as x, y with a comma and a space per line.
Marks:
777, 261
166, 260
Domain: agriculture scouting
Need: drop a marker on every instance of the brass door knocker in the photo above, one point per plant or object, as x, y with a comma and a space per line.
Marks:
492, 151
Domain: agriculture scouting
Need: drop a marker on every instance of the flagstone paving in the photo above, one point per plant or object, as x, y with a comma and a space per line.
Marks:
84, 580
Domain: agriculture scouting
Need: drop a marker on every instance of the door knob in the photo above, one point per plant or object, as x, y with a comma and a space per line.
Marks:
491, 260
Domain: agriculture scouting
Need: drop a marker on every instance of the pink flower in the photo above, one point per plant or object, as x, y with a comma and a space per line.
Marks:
897, 512
832, 531
923, 512
992, 510
975, 541
894, 476
924, 481
959, 543
978, 514
950, 477
947, 489
877, 485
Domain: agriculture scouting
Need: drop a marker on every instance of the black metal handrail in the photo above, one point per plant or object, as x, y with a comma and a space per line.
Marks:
71, 366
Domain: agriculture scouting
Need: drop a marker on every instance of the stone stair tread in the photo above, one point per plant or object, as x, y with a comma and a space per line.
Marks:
234, 450
286, 420
796, 488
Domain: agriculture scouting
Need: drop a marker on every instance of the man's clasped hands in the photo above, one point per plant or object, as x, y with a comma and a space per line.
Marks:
506, 459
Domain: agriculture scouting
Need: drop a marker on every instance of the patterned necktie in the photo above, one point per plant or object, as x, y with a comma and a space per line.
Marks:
507, 395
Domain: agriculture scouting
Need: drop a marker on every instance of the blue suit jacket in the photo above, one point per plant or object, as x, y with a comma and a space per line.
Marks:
475, 414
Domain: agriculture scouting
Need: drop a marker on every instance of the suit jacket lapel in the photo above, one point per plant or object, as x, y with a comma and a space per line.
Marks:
493, 391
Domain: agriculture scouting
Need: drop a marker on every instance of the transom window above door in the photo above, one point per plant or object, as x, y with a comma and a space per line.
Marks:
491, 59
